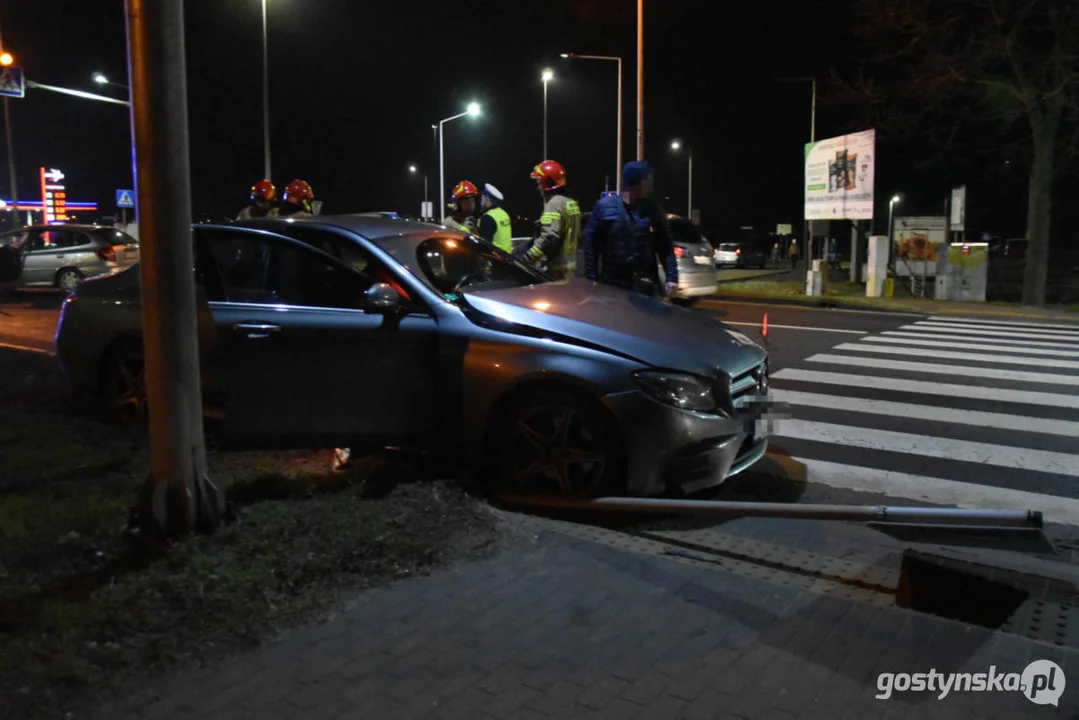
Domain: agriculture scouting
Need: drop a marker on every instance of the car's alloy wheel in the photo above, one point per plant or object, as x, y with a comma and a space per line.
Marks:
125, 385
68, 280
557, 441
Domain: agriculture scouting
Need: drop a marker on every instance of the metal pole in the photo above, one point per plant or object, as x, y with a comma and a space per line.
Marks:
441, 175
178, 496
266, 90
618, 170
425, 198
544, 119
813, 115
15, 222
690, 216
640, 80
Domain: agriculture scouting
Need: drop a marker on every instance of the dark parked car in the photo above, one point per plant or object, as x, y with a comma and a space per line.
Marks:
359, 332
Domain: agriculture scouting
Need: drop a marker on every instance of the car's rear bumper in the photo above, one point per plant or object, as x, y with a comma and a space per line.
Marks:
667, 448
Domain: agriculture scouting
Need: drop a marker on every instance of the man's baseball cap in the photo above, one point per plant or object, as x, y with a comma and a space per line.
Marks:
634, 172
491, 190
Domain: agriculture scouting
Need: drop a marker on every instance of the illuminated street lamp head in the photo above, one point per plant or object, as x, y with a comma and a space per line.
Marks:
676, 145
548, 75
100, 79
896, 199
6, 59
412, 168
473, 109
565, 55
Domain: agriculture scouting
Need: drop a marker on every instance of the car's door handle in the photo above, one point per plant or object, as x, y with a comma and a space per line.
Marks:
257, 330
60, 256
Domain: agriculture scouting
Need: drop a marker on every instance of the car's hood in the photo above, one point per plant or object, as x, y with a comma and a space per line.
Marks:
650, 331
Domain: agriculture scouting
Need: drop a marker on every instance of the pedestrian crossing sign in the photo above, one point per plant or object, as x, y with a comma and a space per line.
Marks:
11, 82
125, 198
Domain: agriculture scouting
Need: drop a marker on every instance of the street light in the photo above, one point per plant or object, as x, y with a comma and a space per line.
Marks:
472, 110
812, 139
413, 169
265, 93
100, 79
896, 199
6, 59
618, 160
676, 145
547, 76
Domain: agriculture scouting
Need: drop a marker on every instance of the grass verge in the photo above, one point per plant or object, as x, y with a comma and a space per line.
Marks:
82, 614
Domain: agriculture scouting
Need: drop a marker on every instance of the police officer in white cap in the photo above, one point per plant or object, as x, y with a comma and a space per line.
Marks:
495, 224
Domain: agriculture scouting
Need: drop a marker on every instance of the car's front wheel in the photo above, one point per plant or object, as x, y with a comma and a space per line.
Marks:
68, 279
553, 439
123, 383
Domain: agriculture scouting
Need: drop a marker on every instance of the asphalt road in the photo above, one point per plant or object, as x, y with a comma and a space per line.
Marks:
884, 408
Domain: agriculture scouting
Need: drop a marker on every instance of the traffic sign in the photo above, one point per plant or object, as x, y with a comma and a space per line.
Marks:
783, 229
125, 198
11, 82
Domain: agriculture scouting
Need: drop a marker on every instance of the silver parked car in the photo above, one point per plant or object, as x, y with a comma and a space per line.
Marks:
61, 256
359, 332
697, 274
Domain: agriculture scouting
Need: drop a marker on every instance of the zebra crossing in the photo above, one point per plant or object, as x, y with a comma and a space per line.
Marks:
952, 411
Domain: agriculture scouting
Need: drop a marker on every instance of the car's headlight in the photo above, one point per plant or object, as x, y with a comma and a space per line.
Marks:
680, 390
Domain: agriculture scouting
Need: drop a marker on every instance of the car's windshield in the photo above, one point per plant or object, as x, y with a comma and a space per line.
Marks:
453, 265
115, 237
685, 233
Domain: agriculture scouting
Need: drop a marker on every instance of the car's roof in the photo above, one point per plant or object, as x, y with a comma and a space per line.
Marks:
57, 226
374, 227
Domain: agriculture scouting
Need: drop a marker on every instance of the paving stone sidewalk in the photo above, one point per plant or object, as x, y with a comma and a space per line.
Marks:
565, 628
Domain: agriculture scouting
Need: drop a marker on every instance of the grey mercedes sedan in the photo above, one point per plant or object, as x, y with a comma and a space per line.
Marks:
371, 331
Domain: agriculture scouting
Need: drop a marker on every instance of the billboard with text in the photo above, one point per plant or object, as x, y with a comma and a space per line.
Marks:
839, 177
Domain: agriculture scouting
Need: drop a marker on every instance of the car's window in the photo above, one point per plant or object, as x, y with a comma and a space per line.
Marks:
61, 239
685, 233
115, 237
15, 238
272, 271
728, 247
455, 264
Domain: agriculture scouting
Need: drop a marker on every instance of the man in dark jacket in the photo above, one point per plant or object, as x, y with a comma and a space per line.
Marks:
628, 236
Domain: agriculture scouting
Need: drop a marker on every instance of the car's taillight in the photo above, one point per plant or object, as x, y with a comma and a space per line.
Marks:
738, 251
108, 254
679, 251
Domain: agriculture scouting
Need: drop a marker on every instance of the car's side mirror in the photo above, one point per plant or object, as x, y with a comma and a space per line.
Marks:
381, 299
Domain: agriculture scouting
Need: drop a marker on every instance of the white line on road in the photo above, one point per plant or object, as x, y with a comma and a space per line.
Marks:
979, 321
949, 355
985, 333
1014, 331
938, 369
27, 348
981, 339
935, 342
1015, 458
940, 491
888, 408
792, 327
973, 392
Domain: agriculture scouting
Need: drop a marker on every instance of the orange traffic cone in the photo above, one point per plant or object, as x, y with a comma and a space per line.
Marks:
764, 326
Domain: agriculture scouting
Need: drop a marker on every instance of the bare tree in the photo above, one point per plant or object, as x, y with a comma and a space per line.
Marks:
972, 77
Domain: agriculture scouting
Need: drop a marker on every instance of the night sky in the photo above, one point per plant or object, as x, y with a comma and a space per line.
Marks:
355, 88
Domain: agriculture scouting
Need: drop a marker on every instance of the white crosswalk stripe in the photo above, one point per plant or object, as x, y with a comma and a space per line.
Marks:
954, 411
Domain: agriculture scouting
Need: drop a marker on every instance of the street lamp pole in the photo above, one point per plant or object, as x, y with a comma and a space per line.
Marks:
473, 110
547, 76
891, 228
640, 81
618, 134
265, 92
676, 145
10, 156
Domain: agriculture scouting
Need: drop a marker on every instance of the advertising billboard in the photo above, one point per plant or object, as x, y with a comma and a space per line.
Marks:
919, 244
839, 177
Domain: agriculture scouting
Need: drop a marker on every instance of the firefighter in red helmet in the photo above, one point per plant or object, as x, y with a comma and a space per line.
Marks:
296, 200
263, 198
559, 227
463, 205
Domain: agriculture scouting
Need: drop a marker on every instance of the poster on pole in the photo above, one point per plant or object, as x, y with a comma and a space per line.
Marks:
839, 177
959, 207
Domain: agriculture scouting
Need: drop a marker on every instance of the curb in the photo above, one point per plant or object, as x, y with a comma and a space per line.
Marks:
838, 304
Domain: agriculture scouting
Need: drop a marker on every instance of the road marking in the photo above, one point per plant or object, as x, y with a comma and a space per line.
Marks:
940, 491
974, 392
972, 346
938, 369
980, 339
986, 333
1072, 326
793, 327
1007, 332
949, 355
888, 408
26, 348
1015, 458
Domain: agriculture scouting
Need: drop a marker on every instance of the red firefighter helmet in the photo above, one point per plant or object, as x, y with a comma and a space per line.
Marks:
464, 189
298, 192
550, 174
263, 191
